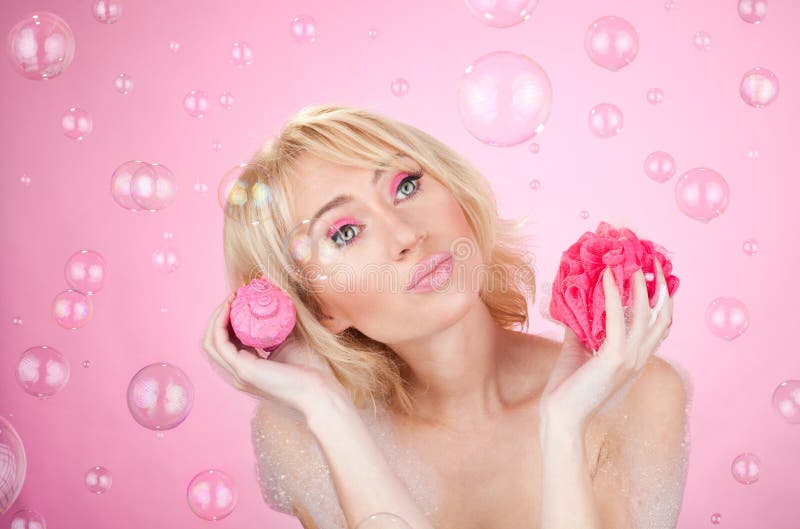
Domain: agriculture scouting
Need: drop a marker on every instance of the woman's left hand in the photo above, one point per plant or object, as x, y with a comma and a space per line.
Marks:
581, 382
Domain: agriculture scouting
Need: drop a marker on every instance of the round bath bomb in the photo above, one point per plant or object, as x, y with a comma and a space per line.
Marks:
262, 315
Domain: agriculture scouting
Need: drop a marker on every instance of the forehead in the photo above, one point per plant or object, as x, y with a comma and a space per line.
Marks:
315, 180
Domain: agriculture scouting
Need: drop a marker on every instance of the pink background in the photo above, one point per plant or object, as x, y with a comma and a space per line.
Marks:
68, 207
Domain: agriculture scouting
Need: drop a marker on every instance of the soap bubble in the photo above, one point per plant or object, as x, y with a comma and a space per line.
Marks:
226, 100
786, 400
27, 519
165, 258
659, 166
759, 87
746, 468
195, 103
504, 98
502, 13
97, 480
107, 11
72, 309
76, 123
123, 83
153, 187
160, 396
212, 494
702, 193
383, 520
611, 42
13, 465
727, 317
399, 87
42, 371
702, 40
303, 29
750, 247
605, 120
655, 96
85, 271
241, 54
121, 183
40, 46
752, 11
244, 186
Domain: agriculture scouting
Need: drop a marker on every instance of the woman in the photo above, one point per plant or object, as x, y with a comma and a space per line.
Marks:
515, 430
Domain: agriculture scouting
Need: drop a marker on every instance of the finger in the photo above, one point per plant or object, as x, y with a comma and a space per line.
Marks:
659, 328
227, 352
663, 293
615, 319
641, 308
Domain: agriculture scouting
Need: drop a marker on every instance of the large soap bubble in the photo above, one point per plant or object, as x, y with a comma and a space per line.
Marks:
12, 465
40, 46
160, 396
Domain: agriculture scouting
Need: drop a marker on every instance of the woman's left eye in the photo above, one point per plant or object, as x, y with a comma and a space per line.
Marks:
340, 241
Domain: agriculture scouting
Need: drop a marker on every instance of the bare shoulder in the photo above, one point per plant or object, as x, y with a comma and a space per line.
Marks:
662, 390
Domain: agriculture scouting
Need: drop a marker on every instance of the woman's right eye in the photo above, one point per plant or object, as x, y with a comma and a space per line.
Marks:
342, 232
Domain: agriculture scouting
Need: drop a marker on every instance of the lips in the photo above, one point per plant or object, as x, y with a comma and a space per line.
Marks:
427, 265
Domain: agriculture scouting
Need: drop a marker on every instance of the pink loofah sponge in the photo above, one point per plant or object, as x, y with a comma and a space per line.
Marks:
578, 299
262, 315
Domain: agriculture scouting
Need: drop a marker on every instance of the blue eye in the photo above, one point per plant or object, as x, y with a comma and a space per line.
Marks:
340, 241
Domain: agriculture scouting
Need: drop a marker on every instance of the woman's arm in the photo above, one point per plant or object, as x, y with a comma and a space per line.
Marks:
364, 481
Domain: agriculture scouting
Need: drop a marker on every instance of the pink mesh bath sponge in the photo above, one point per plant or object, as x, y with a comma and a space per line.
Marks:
578, 299
262, 315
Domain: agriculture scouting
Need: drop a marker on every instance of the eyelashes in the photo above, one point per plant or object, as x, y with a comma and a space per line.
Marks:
335, 235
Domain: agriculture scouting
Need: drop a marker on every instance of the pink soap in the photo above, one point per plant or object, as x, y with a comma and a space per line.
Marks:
262, 315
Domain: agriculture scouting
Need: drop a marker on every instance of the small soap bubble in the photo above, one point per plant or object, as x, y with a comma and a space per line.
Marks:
786, 400
655, 96
25, 179
535, 184
241, 54
27, 519
195, 103
399, 87
97, 480
76, 123
106, 11
216, 146
750, 247
174, 46
86, 364
702, 40
16, 320
584, 214
716, 518
226, 100
123, 83
753, 154
534, 147
372, 33
383, 520
605, 120
200, 187
303, 29
669, 5
746, 468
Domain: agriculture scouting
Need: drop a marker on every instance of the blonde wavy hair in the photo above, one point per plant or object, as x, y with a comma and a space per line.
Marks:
253, 236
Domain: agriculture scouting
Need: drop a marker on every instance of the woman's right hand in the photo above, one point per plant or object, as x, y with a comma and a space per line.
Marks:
294, 374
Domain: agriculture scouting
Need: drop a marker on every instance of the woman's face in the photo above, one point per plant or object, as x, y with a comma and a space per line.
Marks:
369, 245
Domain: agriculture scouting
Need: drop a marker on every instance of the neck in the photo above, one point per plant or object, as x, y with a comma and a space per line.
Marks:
454, 374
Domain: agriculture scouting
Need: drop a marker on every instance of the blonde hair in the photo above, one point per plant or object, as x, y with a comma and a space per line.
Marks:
253, 236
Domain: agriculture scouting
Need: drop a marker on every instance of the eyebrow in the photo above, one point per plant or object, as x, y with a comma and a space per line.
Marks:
340, 200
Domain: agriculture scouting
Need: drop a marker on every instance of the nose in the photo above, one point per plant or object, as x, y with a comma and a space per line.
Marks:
405, 239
